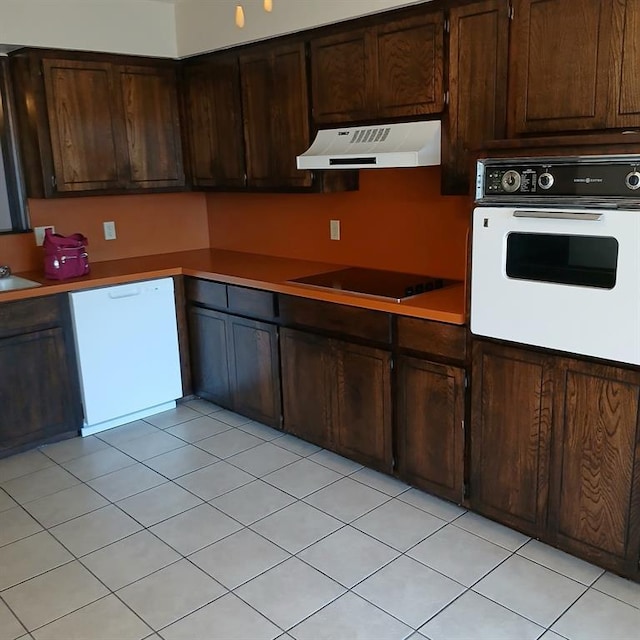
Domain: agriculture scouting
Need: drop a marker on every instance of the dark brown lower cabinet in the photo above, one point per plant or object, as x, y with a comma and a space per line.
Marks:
39, 392
254, 369
362, 404
209, 360
595, 502
511, 422
338, 395
430, 426
234, 363
555, 445
306, 386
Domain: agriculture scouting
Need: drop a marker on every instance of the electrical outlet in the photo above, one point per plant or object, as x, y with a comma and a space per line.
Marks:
109, 230
38, 232
334, 229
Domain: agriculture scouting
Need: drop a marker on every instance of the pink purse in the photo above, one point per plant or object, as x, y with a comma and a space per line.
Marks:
65, 256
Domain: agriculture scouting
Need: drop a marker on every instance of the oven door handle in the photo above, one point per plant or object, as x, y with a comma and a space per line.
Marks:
557, 215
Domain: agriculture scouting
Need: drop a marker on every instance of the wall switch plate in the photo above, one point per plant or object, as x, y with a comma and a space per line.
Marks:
109, 230
38, 232
334, 229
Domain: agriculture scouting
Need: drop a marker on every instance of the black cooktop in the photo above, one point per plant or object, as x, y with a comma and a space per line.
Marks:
376, 283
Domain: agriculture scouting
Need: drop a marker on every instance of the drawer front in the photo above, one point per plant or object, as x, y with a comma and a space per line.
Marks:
23, 316
210, 294
435, 338
251, 302
338, 318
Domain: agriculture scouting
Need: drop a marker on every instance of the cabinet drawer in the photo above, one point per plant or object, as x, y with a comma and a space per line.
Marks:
251, 302
22, 316
328, 316
436, 338
211, 294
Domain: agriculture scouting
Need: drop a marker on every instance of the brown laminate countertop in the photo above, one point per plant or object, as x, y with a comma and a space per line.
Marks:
247, 270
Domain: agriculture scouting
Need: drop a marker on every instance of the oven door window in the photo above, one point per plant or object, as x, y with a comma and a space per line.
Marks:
587, 261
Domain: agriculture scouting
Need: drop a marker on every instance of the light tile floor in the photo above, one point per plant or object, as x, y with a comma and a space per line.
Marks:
198, 523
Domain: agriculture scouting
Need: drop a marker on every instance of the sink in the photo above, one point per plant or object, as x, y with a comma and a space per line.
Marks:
13, 283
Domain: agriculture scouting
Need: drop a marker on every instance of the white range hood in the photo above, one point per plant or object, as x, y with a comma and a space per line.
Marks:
404, 144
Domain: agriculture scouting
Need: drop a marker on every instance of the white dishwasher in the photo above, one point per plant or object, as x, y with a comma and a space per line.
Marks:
127, 348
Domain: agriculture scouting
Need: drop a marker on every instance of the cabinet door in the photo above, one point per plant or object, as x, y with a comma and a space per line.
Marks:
409, 66
430, 414
597, 470
289, 116
209, 361
255, 369
214, 118
560, 53
342, 77
307, 378
35, 389
85, 127
511, 418
362, 404
255, 74
478, 54
149, 106
624, 90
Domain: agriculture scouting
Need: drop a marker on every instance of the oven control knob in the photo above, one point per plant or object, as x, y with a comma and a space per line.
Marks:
511, 181
545, 181
633, 180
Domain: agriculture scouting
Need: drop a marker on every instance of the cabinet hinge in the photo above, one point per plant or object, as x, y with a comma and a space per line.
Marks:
465, 490
447, 25
446, 97
392, 363
281, 421
462, 425
53, 181
512, 11
245, 179
466, 380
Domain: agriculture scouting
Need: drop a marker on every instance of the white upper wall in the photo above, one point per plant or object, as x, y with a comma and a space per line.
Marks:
166, 28
205, 25
139, 27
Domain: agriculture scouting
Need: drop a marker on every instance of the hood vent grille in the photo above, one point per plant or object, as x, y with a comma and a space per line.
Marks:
370, 135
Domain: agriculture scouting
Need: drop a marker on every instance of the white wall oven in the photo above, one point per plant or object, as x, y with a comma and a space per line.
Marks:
556, 254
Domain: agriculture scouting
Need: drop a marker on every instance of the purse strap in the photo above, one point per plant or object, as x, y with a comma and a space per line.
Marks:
58, 240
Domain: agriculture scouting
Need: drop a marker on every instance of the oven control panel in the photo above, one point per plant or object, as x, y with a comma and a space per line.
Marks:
525, 179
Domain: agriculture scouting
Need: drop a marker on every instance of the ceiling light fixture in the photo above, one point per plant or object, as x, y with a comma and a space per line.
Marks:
268, 5
239, 16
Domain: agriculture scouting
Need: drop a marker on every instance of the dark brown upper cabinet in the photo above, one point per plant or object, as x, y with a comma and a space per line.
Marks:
385, 71
213, 115
478, 66
276, 115
342, 80
560, 64
82, 117
152, 126
97, 124
624, 90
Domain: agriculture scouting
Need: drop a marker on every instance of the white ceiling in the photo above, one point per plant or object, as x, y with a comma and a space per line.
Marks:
166, 28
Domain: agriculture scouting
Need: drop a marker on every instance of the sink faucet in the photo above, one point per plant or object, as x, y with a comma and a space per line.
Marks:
5, 271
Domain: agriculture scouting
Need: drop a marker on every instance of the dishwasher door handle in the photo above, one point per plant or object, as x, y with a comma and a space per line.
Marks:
125, 294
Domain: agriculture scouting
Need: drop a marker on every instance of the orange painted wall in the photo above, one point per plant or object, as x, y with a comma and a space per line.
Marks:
145, 225
397, 220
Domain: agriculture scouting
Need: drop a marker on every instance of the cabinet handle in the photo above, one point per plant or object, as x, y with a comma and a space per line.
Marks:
53, 181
